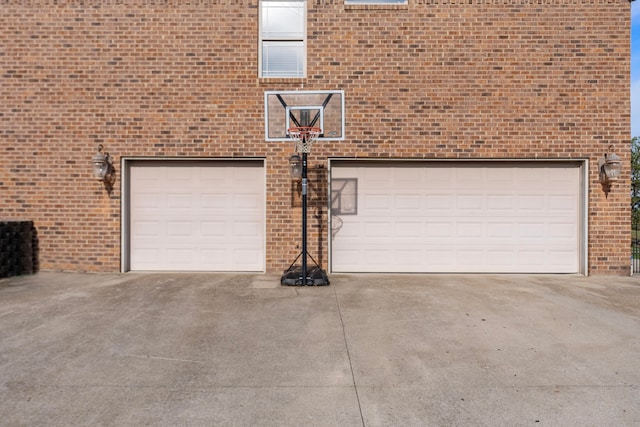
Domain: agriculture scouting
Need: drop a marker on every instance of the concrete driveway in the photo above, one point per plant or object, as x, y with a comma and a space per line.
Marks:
369, 350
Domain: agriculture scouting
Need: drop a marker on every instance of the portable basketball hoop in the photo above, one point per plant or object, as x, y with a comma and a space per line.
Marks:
295, 275
305, 136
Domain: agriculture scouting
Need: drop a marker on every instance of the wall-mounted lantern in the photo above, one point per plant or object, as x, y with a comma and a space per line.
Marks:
103, 169
295, 167
295, 171
610, 167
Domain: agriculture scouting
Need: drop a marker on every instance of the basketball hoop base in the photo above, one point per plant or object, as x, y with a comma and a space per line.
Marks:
293, 276
315, 277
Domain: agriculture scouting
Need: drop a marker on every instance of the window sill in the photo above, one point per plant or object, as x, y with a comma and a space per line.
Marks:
375, 6
282, 80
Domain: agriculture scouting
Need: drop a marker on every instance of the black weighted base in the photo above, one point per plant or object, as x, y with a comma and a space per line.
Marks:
315, 277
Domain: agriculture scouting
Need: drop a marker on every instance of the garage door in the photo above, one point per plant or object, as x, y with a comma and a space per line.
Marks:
455, 217
196, 216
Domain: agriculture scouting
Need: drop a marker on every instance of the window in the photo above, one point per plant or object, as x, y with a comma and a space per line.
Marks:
283, 27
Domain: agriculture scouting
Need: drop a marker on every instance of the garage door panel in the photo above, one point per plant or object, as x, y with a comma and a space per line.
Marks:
214, 258
529, 203
502, 177
532, 257
214, 200
374, 256
409, 258
472, 178
150, 176
407, 179
560, 176
487, 217
213, 228
563, 230
501, 257
375, 229
196, 216
213, 176
469, 230
146, 200
180, 201
246, 229
439, 176
468, 202
380, 177
180, 228
441, 202
527, 182
180, 256
180, 176
561, 258
147, 228
531, 230
563, 203
470, 257
248, 202
247, 257
439, 259
501, 204
377, 202
500, 230
353, 258
437, 229
408, 202
408, 230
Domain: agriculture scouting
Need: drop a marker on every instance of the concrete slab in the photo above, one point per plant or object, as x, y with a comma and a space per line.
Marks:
238, 349
494, 350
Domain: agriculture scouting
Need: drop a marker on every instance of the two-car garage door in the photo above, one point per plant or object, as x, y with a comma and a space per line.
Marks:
195, 215
456, 217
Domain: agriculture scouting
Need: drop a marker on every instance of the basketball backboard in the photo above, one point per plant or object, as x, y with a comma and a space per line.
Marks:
286, 109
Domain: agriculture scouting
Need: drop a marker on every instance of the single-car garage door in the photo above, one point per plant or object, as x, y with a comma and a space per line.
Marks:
196, 216
501, 217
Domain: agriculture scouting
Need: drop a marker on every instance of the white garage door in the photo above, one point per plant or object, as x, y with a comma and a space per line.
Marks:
456, 217
196, 216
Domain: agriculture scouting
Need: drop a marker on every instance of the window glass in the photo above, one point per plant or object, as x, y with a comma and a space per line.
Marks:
283, 20
282, 59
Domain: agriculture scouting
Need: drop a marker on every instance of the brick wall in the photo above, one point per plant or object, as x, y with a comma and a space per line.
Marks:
516, 79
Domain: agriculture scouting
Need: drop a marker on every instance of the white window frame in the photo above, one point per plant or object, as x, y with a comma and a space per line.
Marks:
282, 40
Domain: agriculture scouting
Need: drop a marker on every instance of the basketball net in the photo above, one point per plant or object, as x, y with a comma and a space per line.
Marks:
305, 136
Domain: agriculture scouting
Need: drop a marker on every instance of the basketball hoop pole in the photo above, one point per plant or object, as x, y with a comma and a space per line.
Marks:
293, 276
304, 220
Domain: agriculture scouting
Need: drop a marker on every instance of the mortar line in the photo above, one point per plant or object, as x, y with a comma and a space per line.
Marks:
346, 345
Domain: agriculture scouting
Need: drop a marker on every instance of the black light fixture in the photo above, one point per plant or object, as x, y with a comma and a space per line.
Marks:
304, 137
103, 169
295, 167
610, 168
